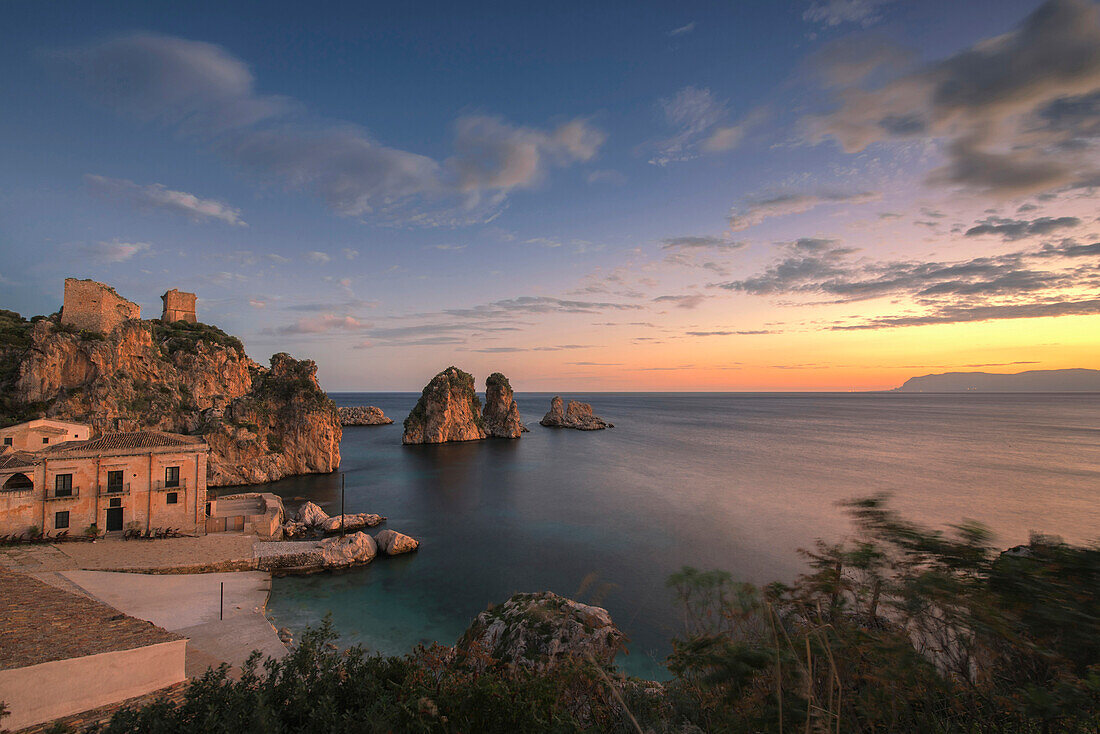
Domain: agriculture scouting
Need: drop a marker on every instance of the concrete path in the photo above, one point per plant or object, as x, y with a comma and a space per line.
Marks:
216, 549
188, 604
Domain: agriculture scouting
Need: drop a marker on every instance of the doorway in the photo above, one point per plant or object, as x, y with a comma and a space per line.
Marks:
114, 519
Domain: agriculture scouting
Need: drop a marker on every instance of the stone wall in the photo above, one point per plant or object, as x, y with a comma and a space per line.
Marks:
93, 306
178, 306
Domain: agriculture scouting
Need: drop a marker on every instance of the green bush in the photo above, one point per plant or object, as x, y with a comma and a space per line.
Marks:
182, 336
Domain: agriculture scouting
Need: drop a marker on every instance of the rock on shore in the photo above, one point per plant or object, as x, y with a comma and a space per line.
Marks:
537, 631
393, 543
311, 517
576, 415
448, 410
350, 550
363, 415
501, 415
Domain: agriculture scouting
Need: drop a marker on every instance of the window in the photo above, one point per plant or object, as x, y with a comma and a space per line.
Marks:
63, 485
115, 502
171, 476
7, 440
61, 520
114, 481
46, 439
172, 497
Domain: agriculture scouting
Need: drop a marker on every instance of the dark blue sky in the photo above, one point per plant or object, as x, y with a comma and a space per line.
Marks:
574, 192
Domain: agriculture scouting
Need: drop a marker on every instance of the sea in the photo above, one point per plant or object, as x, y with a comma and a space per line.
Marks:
734, 481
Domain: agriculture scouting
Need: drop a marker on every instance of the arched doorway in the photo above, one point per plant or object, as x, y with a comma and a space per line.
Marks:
17, 482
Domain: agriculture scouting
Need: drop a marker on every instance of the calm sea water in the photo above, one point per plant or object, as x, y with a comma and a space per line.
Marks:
731, 481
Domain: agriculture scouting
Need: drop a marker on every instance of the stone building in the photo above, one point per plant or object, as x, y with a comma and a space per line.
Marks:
93, 306
63, 653
178, 306
141, 480
33, 435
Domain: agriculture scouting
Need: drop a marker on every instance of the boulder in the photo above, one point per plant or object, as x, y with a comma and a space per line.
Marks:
351, 522
393, 543
311, 515
448, 410
363, 415
537, 631
576, 415
348, 551
501, 415
294, 529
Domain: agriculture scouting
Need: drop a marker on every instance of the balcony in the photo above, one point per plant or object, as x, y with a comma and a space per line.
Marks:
163, 486
114, 490
52, 495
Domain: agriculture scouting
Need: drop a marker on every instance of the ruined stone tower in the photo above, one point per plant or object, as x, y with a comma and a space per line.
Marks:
93, 306
178, 306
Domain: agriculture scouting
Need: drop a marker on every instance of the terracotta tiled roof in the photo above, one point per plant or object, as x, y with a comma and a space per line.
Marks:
10, 459
44, 623
127, 441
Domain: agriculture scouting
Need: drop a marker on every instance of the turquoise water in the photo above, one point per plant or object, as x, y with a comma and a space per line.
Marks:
732, 481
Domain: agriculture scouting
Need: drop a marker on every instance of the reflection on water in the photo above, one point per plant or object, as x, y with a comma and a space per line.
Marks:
716, 481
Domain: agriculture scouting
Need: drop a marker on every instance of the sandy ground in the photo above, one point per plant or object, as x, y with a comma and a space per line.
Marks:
189, 604
186, 603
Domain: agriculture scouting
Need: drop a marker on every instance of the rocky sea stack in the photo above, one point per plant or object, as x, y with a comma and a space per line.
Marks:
363, 415
501, 416
576, 415
537, 631
448, 410
262, 423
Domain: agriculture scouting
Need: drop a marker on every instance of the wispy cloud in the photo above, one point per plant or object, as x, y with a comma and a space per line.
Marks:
701, 124
682, 30
842, 12
1018, 229
158, 197
753, 211
701, 242
114, 251
686, 301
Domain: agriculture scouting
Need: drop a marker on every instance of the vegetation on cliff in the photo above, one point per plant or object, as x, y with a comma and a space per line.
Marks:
901, 630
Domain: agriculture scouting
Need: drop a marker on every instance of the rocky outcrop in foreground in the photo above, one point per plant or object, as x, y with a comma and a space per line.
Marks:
363, 415
448, 410
576, 415
501, 415
262, 423
537, 631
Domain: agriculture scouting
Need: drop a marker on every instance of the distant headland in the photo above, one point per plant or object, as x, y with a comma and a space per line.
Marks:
1071, 380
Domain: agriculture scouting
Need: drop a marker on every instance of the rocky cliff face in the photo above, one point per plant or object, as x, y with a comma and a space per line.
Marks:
501, 415
576, 415
537, 631
448, 410
261, 423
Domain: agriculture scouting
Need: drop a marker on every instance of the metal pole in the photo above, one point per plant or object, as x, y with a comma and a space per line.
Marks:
342, 517
221, 602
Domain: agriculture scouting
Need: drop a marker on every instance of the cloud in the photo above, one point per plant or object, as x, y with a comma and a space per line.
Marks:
839, 12
157, 196
682, 30
700, 242
955, 314
688, 301
536, 305
318, 257
606, 176
323, 324
114, 251
205, 93
1013, 110
745, 332
698, 118
1018, 229
448, 247
349, 253
754, 211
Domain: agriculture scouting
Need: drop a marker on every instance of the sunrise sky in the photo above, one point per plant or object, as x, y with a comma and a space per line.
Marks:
804, 195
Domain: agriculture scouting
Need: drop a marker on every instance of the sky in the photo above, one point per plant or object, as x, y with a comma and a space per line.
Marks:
611, 196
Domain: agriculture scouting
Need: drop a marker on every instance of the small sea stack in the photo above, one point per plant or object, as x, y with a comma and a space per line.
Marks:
501, 415
575, 415
363, 415
448, 410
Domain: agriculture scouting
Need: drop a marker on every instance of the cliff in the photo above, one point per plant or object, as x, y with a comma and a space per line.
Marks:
501, 415
262, 424
576, 415
1072, 380
448, 410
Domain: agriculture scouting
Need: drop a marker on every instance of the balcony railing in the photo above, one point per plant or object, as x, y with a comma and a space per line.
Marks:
163, 486
114, 490
72, 495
